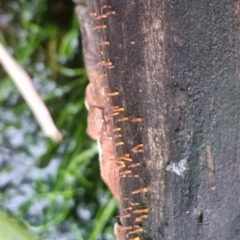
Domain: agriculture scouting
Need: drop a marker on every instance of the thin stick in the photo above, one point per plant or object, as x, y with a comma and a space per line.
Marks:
26, 88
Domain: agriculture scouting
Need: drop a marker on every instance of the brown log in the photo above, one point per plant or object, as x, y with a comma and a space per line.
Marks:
171, 84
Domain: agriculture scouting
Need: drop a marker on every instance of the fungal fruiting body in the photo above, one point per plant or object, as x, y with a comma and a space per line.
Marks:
108, 168
120, 162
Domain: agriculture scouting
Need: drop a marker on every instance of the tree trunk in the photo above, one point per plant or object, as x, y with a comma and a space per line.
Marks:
171, 70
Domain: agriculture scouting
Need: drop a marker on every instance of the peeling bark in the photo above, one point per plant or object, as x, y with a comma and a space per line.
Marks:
98, 123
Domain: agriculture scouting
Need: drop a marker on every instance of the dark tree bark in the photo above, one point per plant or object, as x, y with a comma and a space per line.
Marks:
174, 65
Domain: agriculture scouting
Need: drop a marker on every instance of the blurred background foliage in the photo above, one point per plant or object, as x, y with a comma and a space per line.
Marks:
55, 191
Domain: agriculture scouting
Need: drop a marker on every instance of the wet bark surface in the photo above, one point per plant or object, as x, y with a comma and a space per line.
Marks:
171, 69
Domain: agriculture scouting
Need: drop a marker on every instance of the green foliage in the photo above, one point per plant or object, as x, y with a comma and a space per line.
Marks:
9, 229
55, 190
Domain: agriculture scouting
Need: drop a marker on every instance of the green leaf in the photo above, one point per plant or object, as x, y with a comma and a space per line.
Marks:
12, 230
